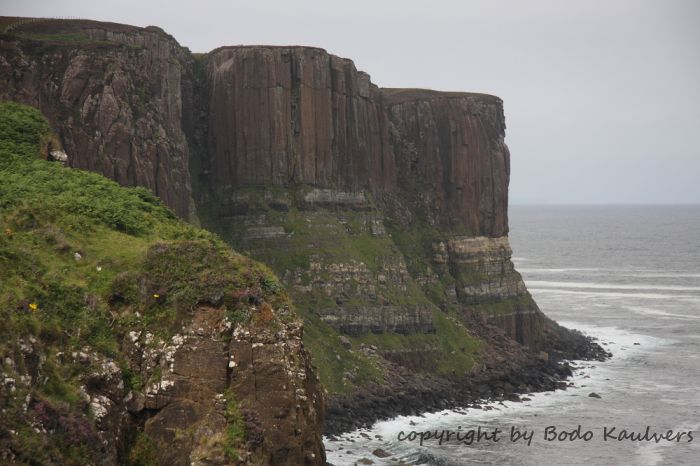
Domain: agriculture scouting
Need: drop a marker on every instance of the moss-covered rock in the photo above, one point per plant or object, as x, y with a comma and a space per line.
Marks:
107, 304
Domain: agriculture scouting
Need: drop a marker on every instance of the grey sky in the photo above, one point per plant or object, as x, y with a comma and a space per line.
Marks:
602, 97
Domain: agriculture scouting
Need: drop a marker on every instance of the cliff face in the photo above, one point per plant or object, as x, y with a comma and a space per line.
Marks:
114, 95
453, 172
284, 115
383, 211
256, 377
450, 146
131, 337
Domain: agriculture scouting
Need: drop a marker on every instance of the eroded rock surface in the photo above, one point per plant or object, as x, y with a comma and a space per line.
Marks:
215, 366
384, 212
113, 93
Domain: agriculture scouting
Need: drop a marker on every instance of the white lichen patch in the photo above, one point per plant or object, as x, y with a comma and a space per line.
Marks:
240, 332
165, 384
99, 405
158, 387
134, 336
82, 390
110, 368
178, 339
169, 351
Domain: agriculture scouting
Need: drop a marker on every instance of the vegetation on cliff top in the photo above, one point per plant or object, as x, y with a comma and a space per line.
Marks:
83, 262
307, 247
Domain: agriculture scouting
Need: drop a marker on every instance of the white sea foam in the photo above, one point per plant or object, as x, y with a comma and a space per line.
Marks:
590, 376
612, 294
653, 453
658, 312
626, 272
666, 275
610, 286
562, 270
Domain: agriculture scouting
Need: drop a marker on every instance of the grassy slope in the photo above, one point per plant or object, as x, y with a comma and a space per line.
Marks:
84, 261
329, 236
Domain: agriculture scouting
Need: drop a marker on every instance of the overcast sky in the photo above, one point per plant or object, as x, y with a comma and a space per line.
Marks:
602, 97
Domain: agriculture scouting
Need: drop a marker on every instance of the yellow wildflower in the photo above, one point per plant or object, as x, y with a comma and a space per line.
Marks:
156, 295
33, 306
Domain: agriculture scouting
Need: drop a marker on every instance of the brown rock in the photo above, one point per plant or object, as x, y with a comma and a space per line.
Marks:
115, 100
449, 147
345, 342
285, 115
381, 453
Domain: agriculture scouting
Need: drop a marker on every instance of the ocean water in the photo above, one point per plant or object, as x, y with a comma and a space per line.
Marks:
627, 275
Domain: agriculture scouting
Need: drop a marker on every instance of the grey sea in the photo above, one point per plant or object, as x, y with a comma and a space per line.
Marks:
627, 275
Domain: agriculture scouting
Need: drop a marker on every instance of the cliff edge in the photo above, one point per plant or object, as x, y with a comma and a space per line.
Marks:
382, 211
131, 337
114, 95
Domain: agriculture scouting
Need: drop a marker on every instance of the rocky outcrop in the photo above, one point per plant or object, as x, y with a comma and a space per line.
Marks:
483, 269
384, 212
221, 384
451, 157
379, 319
284, 115
453, 172
486, 280
131, 337
201, 381
114, 94
213, 371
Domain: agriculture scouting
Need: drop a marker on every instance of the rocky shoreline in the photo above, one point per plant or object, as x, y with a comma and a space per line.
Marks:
384, 213
523, 371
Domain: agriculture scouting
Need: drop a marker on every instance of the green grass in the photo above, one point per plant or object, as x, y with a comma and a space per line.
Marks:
330, 358
456, 346
505, 306
84, 261
74, 38
143, 452
328, 236
416, 244
235, 429
22, 129
466, 276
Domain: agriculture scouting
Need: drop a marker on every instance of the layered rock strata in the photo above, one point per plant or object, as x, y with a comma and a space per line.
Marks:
292, 116
384, 211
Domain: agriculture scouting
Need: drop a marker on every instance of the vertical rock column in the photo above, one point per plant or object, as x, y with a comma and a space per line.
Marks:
288, 115
453, 171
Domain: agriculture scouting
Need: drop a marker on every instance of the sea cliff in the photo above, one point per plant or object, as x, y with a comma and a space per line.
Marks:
382, 211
